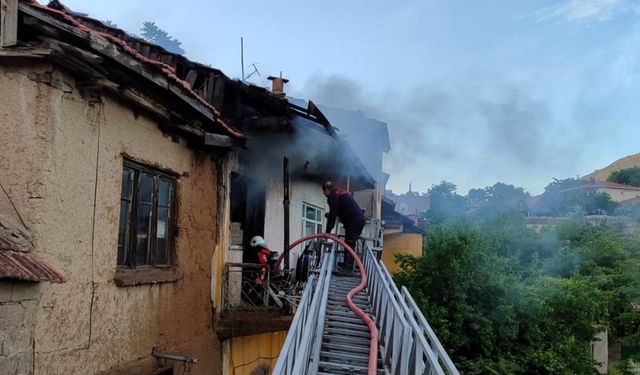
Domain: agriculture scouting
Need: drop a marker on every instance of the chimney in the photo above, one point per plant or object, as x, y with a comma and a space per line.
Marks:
277, 85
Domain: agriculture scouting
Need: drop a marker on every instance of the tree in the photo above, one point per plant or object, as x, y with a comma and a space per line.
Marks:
493, 318
444, 203
154, 34
495, 200
110, 23
627, 176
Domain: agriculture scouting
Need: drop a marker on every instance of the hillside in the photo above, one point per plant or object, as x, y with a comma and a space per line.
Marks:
622, 163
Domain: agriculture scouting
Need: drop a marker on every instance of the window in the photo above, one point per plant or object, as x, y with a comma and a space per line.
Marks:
311, 219
146, 214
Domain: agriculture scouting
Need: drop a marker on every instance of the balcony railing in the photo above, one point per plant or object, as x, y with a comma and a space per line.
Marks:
247, 286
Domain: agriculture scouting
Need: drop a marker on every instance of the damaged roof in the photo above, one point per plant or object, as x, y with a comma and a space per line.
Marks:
91, 44
17, 261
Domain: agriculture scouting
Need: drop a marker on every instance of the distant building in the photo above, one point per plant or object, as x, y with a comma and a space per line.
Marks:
411, 204
401, 235
617, 192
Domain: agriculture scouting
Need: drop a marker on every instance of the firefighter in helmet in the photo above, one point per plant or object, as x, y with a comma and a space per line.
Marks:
264, 255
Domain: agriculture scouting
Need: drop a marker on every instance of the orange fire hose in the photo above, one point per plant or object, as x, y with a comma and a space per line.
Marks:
373, 346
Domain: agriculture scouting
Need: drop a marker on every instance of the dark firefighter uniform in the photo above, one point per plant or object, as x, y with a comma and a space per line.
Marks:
343, 206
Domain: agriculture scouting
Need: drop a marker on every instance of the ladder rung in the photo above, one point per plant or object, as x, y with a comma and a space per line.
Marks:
347, 348
342, 333
337, 324
362, 360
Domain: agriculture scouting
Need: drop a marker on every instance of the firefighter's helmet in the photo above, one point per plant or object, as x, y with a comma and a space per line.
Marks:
258, 241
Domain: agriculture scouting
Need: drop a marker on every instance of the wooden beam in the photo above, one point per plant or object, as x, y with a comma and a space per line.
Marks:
218, 92
108, 49
218, 140
191, 77
27, 52
134, 97
8, 23
210, 88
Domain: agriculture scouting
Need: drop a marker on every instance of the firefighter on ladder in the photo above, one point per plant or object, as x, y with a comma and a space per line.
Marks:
343, 206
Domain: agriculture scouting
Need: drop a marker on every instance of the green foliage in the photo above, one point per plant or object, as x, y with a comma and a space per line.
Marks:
495, 200
154, 34
627, 176
565, 197
590, 202
444, 203
505, 299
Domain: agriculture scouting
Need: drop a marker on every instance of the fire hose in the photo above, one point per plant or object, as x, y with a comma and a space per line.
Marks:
373, 346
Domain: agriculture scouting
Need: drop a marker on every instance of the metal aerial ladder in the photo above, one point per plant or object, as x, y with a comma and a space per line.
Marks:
361, 324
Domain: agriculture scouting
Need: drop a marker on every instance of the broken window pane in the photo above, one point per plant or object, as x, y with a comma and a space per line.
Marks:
127, 183
122, 232
143, 234
164, 192
161, 236
125, 202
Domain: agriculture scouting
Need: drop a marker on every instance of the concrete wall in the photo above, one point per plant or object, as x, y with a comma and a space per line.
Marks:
61, 163
247, 355
400, 243
18, 307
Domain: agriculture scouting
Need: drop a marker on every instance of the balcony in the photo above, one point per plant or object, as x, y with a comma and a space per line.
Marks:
255, 300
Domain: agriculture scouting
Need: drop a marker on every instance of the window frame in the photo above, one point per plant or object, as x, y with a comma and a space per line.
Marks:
305, 220
129, 244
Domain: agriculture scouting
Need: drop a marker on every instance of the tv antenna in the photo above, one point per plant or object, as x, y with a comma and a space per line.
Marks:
255, 71
255, 68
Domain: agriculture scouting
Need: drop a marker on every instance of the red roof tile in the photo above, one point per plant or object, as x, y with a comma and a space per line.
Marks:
18, 265
168, 70
17, 262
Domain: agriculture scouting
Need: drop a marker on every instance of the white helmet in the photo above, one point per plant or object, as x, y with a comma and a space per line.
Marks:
258, 241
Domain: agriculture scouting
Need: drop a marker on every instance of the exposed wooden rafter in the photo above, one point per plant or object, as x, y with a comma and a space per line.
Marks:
8, 23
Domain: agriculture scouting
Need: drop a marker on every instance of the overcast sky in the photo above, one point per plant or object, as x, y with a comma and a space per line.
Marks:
474, 92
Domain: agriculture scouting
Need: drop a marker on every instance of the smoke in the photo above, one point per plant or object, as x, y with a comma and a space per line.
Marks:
311, 151
474, 132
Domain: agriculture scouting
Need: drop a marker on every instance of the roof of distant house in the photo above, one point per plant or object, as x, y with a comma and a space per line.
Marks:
410, 203
604, 185
391, 216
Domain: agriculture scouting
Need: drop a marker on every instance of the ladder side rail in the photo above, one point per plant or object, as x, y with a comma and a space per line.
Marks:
286, 359
426, 329
395, 329
422, 345
294, 342
317, 339
303, 354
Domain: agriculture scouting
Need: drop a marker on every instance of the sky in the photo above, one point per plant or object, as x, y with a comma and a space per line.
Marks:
474, 92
